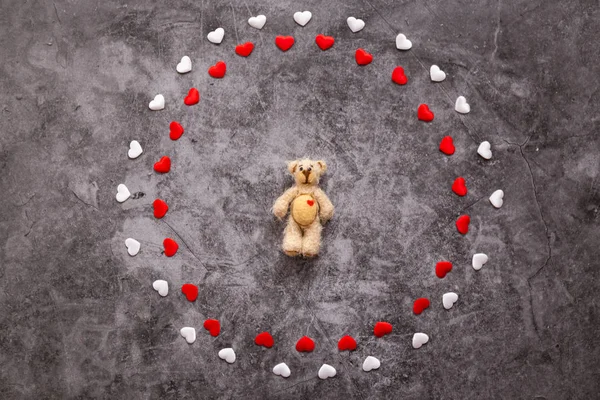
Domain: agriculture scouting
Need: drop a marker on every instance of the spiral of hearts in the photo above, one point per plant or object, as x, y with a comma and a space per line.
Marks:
176, 130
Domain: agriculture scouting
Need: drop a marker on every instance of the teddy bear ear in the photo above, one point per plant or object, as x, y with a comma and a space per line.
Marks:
322, 165
292, 165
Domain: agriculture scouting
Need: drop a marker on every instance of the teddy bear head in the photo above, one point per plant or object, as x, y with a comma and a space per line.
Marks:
306, 171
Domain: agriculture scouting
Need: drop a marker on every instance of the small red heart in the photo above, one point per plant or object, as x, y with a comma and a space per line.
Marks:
284, 42
193, 97
398, 76
382, 329
324, 42
310, 202
244, 50
447, 145
218, 70
160, 208
420, 305
170, 246
264, 339
362, 57
347, 343
163, 165
190, 291
175, 130
459, 187
305, 344
424, 114
213, 327
442, 268
462, 224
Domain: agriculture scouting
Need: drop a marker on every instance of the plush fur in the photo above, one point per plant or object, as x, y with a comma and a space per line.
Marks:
309, 208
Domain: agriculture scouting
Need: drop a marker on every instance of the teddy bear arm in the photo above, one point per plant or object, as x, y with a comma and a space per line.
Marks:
325, 206
280, 208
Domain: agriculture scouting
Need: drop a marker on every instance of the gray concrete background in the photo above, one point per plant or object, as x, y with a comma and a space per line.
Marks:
79, 318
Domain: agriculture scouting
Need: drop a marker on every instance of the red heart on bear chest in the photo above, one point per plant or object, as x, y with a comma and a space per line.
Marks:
310, 202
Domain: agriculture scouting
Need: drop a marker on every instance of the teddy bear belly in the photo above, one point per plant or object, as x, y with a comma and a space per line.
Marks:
304, 209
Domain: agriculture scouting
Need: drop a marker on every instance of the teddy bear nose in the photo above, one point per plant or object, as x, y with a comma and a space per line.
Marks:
306, 172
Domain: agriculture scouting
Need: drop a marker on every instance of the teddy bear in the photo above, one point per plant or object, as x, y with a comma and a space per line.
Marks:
309, 209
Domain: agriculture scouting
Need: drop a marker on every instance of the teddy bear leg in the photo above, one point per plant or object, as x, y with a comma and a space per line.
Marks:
312, 239
292, 238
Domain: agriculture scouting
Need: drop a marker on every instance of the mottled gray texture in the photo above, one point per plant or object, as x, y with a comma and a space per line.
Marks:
78, 316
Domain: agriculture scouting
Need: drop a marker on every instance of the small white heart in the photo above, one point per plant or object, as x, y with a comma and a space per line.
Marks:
419, 339
162, 287
228, 355
122, 193
326, 371
257, 22
282, 370
402, 43
185, 65
135, 149
355, 25
216, 36
371, 363
437, 75
158, 103
478, 260
303, 17
497, 198
448, 300
485, 150
133, 246
189, 334
461, 105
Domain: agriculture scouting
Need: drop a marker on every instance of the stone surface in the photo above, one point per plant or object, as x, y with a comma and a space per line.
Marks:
79, 317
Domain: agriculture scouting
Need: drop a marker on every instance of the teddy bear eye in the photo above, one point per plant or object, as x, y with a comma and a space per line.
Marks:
300, 168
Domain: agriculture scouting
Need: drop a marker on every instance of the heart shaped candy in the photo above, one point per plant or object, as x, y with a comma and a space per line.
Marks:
302, 18
402, 43
448, 300
189, 334
284, 42
282, 370
497, 198
347, 343
362, 57
382, 328
419, 339
461, 105
160, 208
161, 286
193, 97
420, 305
158, 103
264, 339
436, 74
216, 36
175, 130
135, 149
218, 70
355, 25
305, 344
324, 42
228, 355
447, 145
122, 193
398, 76
257, 22
185, 65
459, 187
190, 291
442, 268
170, 246
424, 114
163, 165
479, 260
462, 224
213, 327
244, 50
326, 371
133, 246
371, 363
485, 150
